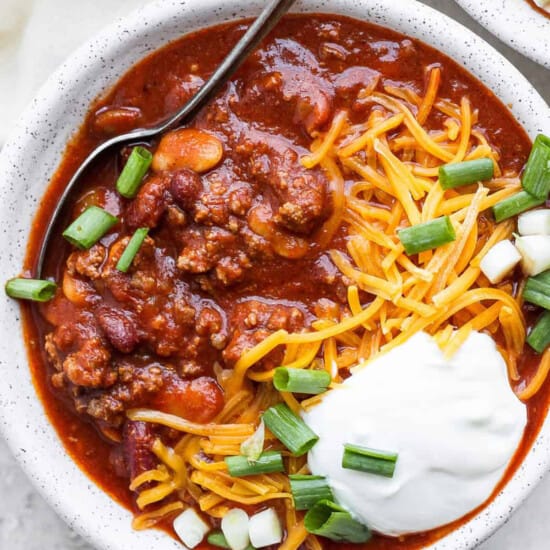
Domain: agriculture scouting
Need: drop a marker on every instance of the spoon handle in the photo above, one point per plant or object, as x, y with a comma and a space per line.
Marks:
269, 17
259, 29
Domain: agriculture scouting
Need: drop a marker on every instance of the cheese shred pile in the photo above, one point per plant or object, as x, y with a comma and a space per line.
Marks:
384, 176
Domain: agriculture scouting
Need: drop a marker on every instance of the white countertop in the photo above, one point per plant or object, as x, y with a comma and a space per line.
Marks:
28, 523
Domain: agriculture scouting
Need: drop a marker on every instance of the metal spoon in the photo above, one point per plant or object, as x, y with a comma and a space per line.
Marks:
269, 17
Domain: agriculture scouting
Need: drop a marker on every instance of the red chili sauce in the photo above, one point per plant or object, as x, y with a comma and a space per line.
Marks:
150, 337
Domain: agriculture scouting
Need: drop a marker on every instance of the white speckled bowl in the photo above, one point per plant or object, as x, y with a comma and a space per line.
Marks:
516, 23
33, 152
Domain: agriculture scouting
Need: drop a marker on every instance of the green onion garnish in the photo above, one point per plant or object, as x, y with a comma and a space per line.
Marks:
132, 249
301, 380
89, 227
267, 463
307, 490
216, 538
464, 173
428, 235
539, 337
537, 290
514, 205
130, 178
536, 177
373, 461
327, 519
290, 429
36, 290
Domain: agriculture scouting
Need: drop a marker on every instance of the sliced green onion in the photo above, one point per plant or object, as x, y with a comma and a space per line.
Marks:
130, 178
514, 205
373, 461
132, 248
537, 290
307, 490
464, 173
217, 539
536, 177
327, 519
253, 446
428, 235
89, 227
290, 429
36, 290
267, 463
301, 380
539, 337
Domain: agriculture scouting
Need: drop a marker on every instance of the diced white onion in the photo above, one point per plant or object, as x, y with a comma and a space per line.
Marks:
265, 529
190, 528
235, 529
534, 222
499, 261
535, 253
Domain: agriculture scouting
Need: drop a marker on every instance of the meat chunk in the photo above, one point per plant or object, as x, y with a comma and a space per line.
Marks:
215, 249
87, 262
52, 352
133, 287
90, 366
302, 193
253, 321
224, 200
135, 386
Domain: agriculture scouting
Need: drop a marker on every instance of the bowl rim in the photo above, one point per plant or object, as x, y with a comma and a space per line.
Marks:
34, 149
534, 39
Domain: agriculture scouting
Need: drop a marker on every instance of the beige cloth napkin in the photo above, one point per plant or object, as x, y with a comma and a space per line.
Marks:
36, 36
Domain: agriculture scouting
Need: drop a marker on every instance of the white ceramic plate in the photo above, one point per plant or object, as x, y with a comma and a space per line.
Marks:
33, 152
516, 23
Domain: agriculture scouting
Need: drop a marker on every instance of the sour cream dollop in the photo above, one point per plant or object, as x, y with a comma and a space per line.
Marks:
455, 424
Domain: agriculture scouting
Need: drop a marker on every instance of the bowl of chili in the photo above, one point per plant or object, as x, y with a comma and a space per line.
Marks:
47, 128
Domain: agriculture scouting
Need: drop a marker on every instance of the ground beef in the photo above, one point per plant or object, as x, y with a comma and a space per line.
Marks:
90, 366
253, 321
135, 387
301, 193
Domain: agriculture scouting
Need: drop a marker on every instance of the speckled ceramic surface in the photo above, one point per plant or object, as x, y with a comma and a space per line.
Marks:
516, 23
31, 155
